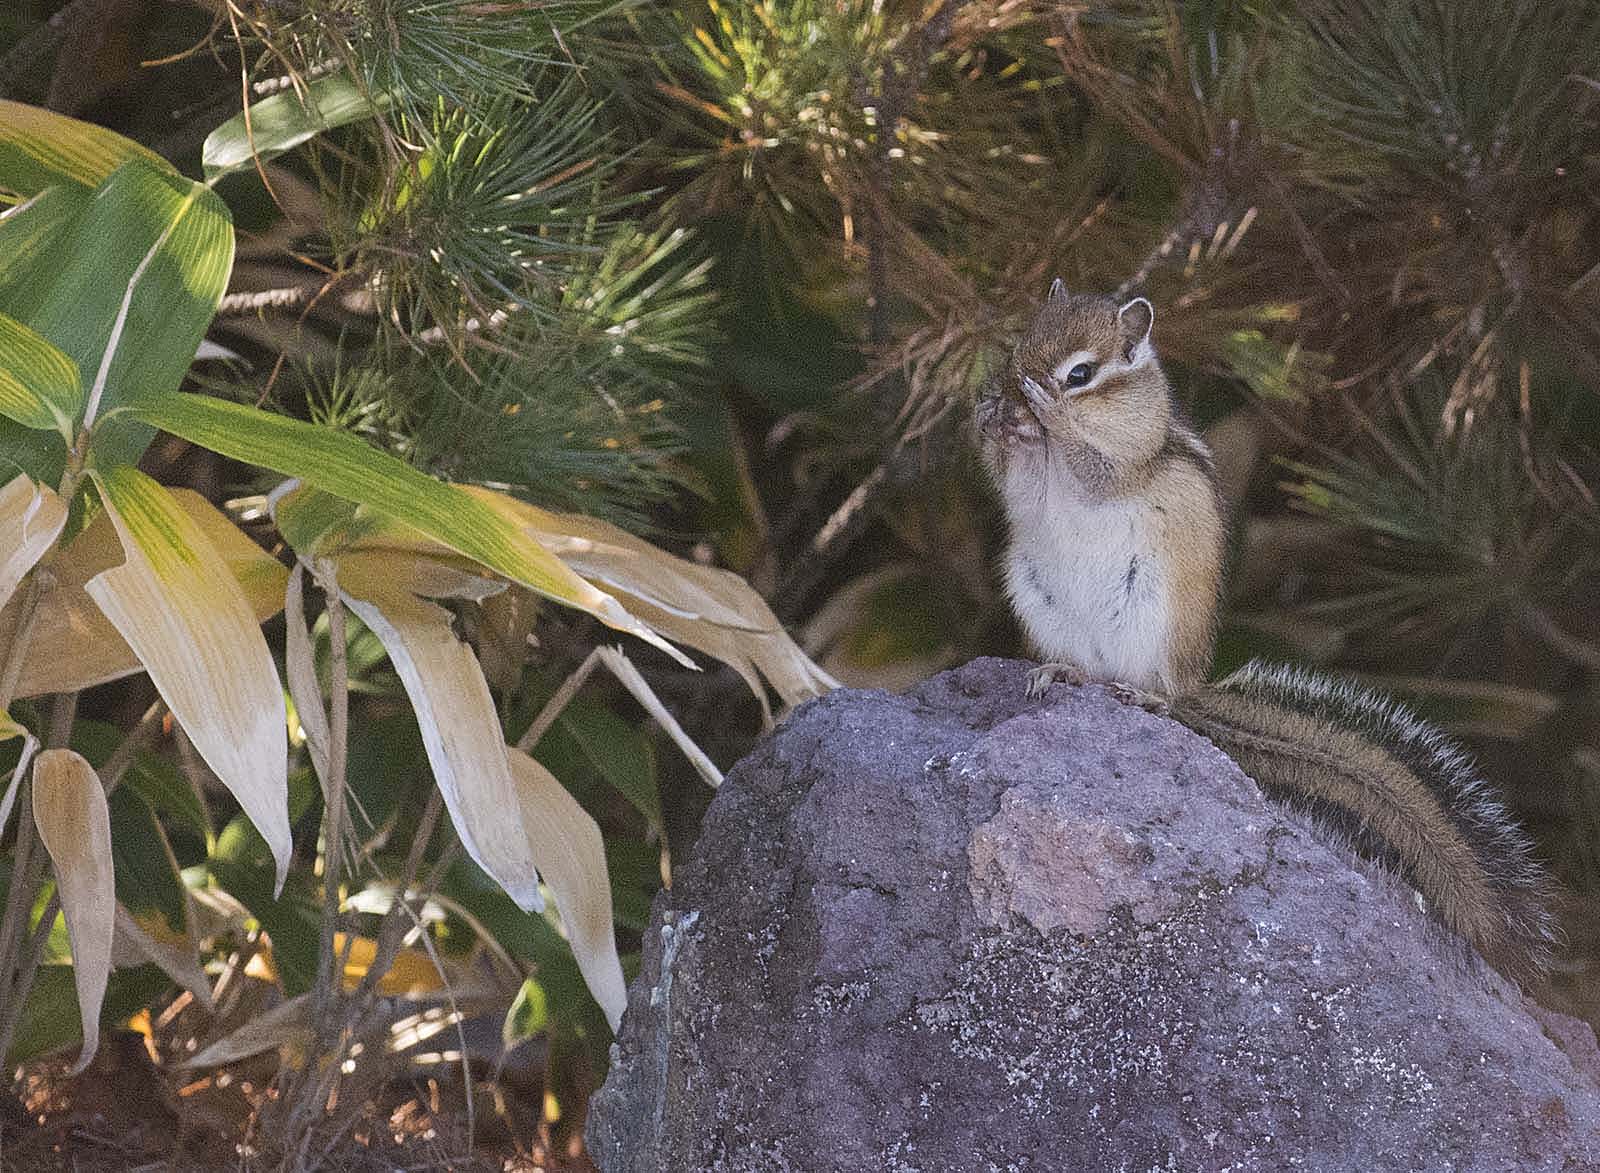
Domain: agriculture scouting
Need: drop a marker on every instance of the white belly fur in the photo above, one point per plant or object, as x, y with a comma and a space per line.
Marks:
1089, 589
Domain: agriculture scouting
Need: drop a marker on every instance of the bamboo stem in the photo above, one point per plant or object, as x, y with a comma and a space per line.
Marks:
328, 980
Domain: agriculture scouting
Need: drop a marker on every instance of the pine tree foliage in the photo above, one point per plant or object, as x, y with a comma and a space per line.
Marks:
1369, 230
495, 307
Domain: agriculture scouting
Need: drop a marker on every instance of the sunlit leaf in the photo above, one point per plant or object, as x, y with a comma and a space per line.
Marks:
343, 465
711, 610
176, 604
75, 646
31, 518
39, 386
412, 972
284, 121
460, 730
126, 287
69, 809
572, 860
529, 1014
32, 237
40, 148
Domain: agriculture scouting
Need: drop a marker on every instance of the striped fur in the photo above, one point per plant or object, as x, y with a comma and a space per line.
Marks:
1396, 789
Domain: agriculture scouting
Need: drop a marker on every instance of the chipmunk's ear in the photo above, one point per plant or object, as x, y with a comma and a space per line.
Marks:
1058, 290
1133, 322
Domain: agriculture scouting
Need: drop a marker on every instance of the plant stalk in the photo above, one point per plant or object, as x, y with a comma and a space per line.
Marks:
329, 972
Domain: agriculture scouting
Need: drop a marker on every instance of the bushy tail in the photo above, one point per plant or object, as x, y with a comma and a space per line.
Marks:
1396, 788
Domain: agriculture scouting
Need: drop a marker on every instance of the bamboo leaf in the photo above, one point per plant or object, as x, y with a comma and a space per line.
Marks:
75, 646
460, 731
31, 519
346, 467
48, 1022
176, 958
69, 807
411, 974
572, 858
299, 668
30, 236
284, 121
40, 148
287, 1025
528, 1016
711, 610
30, 743
633, 680
185, 616
28, 232
126, 286
39, 386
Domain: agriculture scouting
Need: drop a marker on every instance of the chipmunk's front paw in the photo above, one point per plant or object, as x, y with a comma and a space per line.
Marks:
1148, 701
1045, 675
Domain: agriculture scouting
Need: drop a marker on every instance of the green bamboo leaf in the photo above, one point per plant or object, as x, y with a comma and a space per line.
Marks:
39, 386
39, 149
125, 286
29, 235
529, 1014
29, 230
149, 883
153, 780
284, 121
345, 466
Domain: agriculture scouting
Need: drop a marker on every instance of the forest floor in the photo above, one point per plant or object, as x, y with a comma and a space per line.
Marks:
127, 1113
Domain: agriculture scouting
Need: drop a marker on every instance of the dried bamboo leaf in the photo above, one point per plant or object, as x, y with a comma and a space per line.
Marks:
31, 517
75, 646
572, 857
287, 1025
133, 945
301, 673
74, 823
460, 728
176, 604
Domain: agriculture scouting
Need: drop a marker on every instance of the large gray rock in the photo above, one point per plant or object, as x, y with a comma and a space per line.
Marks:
959, 930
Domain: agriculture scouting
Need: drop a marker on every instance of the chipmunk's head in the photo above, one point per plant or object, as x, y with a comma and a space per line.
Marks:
1085, 363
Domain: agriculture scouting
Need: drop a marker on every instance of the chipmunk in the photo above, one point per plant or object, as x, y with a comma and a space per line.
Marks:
1114, 568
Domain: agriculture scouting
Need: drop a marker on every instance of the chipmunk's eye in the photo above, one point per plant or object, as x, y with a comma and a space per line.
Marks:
1080, 374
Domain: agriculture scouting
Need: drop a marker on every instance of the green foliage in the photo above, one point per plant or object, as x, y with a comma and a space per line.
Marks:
488, 214
568, 405
1440, 530
420, 50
